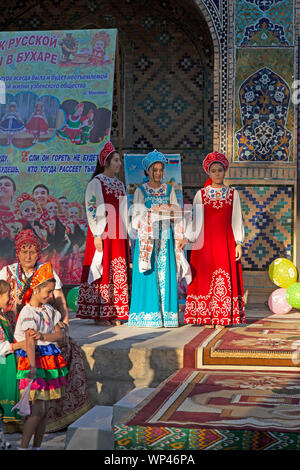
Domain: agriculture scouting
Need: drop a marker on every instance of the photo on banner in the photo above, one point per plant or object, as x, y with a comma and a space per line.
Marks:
135, 176
54, 121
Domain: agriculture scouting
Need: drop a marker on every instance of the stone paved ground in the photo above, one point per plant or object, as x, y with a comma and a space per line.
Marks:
51, 441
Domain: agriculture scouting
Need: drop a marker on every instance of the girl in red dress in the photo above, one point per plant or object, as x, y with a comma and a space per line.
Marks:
37, 124
103, 293
215, 296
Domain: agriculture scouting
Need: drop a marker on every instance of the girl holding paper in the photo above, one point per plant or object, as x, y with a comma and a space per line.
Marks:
103, 293
157, 256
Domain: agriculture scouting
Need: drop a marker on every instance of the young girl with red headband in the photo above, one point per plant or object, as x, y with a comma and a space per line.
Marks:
215, 296
42, 362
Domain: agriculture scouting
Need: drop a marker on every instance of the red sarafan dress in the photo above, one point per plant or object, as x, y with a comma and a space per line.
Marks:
103, 292
215, 295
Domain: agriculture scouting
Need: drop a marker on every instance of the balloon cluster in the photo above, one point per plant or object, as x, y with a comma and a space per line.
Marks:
284, 274
72, 298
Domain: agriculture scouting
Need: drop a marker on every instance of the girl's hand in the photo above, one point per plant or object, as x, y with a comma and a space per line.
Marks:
98, 243
182, 243
36, 335
19, 345
238, 252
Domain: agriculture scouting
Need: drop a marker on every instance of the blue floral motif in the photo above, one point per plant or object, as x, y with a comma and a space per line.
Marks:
264, 102
264, 5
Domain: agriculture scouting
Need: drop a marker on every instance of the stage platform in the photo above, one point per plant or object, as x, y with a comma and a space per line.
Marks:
119, 359
236, 388
204, 409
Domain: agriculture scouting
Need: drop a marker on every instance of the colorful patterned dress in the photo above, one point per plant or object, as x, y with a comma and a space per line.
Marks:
9, 390
37, 124
154, 292
76, 400
215, 295
12, 123
50, 380
105, 295
71, 131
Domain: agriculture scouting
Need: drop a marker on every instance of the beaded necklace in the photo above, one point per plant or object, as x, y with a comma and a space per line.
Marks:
20, 273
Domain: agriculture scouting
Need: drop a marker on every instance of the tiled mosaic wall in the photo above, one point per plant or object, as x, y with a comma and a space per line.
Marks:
198, 75
167, 65
268, 219
263, 159
264, 113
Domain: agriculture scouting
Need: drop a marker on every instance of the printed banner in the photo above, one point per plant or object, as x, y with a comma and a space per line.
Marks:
55, 116
135, 176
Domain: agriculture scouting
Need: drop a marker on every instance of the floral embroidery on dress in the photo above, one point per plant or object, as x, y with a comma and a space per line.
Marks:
161, 191
217, 193
92, 206
217, 197
116, 291
218, 306
112, 185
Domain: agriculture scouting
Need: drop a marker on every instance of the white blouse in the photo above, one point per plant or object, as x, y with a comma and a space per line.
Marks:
95, 204
42, 319
196, 226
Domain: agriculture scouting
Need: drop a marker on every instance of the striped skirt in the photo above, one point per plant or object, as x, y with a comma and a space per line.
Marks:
51, 371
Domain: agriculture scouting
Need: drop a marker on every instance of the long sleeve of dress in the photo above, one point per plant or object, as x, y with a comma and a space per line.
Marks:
138, 209
237, 219
95, 207
195, 225
123, 207
173, 198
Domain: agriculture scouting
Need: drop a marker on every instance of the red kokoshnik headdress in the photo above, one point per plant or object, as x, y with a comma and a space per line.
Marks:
27, 237
105, 152
214, 157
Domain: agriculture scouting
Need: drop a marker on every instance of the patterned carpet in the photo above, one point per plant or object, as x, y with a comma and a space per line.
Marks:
239, 389
270, 342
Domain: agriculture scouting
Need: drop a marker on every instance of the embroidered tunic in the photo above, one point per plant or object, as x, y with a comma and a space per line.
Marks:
215, 295
154, 292
103, 292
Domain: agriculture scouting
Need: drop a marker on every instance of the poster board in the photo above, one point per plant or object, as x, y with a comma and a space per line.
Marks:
55, 117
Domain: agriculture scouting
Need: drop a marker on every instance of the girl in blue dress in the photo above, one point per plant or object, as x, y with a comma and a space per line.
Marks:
11, 122
154, 277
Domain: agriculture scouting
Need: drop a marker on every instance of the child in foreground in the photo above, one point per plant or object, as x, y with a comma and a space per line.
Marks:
42, 361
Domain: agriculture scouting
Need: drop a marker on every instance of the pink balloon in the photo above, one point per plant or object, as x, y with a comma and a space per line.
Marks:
277, 302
